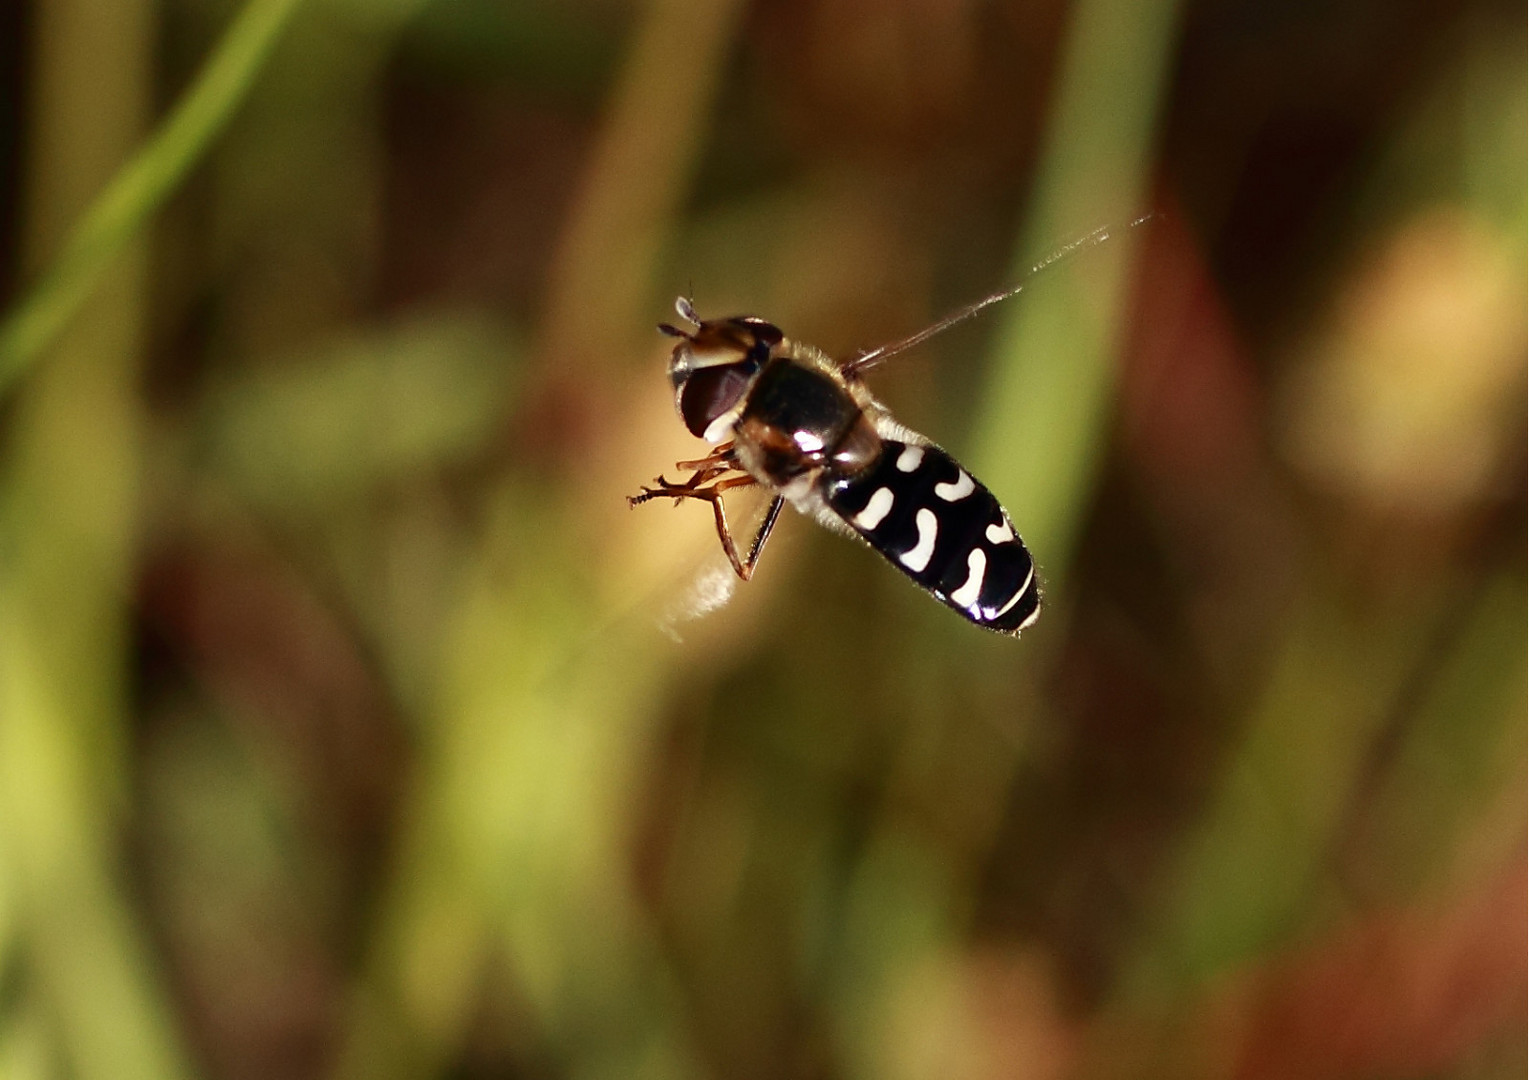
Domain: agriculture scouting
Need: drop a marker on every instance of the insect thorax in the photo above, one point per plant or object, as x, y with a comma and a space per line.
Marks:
799, 419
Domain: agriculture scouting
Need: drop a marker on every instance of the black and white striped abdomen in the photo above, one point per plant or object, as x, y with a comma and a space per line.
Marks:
942, 528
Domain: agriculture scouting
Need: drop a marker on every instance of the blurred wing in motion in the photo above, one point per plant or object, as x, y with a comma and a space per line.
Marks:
709, 587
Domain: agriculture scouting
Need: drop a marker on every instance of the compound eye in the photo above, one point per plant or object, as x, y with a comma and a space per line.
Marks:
711, 392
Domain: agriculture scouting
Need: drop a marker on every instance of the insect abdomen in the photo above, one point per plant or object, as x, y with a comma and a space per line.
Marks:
933, 521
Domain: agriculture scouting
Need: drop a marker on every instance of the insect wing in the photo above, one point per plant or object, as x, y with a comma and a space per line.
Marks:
711, 586
873, 357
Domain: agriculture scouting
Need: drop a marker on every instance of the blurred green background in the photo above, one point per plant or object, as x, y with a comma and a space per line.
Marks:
352, 726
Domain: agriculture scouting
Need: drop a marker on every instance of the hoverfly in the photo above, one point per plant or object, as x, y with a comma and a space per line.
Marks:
781, 415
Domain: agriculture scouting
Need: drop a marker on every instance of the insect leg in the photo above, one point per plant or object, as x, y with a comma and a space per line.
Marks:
718, 463
722, 455
762, 535
744, 569
682, 490
713, 494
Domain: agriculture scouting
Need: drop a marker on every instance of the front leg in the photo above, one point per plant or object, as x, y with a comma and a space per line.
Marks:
743, 567
723, 455
705, 473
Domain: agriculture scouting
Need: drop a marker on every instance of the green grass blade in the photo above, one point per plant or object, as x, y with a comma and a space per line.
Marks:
1045, 412
141, 186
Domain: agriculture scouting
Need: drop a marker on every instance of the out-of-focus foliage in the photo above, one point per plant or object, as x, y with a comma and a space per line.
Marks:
352, 726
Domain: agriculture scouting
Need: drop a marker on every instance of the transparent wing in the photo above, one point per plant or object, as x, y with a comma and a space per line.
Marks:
879, 355
713, 582
708, 589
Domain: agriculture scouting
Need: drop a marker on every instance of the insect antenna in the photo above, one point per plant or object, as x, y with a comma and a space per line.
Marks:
885, 352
